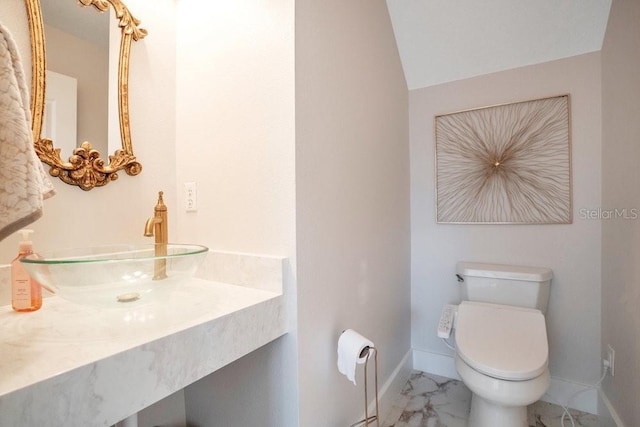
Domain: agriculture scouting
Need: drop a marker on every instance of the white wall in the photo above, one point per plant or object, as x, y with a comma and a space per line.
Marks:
252, 391
620, 189
235, 138
572, 251
352, 181
235, 110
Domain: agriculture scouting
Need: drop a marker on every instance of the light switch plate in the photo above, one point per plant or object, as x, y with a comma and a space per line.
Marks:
191, 196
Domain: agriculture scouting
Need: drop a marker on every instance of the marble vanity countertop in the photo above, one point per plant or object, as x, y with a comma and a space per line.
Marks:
75, 365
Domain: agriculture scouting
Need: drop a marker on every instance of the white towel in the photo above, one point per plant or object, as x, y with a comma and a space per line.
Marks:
23, 181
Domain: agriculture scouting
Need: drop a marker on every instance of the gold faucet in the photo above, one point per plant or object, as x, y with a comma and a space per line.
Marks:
158, 226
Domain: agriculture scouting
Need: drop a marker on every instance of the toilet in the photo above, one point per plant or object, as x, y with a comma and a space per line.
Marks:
501, 340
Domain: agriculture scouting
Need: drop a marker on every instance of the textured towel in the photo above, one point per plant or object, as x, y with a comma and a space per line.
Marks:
23, 182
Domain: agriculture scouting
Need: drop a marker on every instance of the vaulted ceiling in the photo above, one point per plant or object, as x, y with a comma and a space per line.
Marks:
446, 40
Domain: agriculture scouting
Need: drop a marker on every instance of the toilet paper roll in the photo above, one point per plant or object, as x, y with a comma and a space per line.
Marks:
350, 346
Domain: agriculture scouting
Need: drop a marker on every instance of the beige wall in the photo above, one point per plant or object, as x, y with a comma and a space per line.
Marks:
621, 189
572, 251
352, 164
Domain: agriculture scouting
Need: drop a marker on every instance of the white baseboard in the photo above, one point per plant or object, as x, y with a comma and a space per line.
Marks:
607, 412
559, 391
391, 388
435, 363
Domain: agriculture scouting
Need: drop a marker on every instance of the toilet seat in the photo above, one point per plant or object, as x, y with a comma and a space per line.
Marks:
501, 341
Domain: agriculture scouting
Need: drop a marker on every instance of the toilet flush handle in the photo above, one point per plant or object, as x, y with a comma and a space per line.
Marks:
460, 278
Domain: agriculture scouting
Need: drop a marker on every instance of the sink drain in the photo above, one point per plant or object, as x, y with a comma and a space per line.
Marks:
131, 296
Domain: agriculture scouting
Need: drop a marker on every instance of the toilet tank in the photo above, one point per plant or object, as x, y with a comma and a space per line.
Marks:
505, 284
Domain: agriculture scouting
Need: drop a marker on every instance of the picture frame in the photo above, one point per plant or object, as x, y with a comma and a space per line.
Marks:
505, 164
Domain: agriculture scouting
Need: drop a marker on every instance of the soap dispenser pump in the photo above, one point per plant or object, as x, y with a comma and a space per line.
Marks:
26, 293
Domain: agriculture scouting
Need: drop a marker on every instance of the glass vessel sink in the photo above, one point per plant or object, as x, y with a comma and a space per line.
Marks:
115, 275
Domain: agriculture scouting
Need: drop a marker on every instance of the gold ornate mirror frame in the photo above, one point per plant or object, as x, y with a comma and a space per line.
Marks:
85, 168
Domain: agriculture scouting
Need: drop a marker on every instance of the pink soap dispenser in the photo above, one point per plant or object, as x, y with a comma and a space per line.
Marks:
26, 293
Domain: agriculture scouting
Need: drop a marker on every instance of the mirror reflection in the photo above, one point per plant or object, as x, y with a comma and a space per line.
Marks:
77, 76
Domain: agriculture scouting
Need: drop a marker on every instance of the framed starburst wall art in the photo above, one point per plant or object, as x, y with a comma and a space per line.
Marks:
505, 164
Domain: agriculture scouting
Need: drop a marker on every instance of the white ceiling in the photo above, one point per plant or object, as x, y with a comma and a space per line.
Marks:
446, 40
84, 22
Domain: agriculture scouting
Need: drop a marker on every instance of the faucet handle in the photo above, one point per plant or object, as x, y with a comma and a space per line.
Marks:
160, 206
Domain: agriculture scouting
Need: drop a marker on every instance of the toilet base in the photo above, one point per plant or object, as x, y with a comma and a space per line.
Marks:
488, 414
500, 403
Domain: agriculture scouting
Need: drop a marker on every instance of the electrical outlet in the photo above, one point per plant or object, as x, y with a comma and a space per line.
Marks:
191, 196
610, 361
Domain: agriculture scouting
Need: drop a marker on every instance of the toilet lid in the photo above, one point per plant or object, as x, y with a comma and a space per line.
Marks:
501, 341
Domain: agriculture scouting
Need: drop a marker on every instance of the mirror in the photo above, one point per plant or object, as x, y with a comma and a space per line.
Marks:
85, 168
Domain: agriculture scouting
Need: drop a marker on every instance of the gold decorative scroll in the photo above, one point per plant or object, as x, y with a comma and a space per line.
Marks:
86, 168
128, 22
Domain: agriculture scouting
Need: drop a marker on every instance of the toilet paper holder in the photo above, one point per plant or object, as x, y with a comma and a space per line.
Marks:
368, 420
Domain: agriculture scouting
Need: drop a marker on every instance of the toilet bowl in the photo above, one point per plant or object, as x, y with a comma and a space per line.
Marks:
502, 357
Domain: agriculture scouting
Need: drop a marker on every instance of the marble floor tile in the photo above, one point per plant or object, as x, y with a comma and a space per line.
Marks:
545, 414
431, 401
